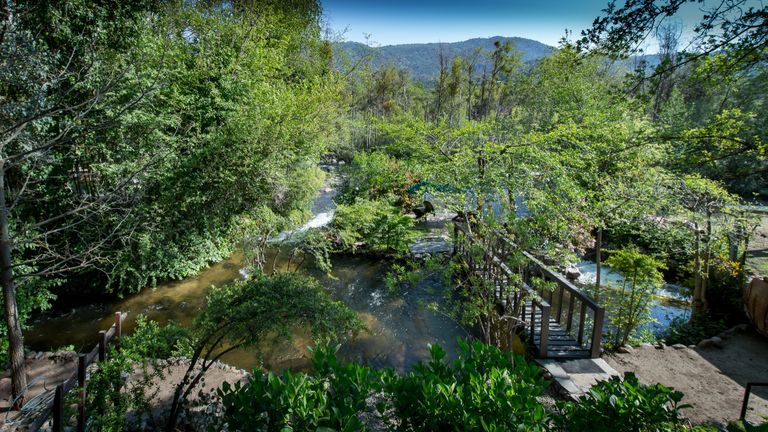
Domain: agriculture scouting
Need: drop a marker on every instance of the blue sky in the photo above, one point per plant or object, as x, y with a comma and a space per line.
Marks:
400, 21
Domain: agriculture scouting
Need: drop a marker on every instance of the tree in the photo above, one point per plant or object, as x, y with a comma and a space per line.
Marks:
733, 25
134, 144
53, 86
703, 199
630, 306
253, 311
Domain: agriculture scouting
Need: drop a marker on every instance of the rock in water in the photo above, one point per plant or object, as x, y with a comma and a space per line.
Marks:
572, 273
423, 210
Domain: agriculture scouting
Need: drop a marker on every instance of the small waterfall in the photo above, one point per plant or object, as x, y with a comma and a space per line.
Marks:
318, 221
323, 209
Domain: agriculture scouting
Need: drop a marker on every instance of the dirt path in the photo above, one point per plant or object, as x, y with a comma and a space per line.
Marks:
712, 379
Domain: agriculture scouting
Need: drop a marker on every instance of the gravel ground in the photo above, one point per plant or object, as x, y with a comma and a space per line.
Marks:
712, 379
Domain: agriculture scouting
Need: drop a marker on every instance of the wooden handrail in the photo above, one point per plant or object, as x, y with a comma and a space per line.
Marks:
499, 247
54, 407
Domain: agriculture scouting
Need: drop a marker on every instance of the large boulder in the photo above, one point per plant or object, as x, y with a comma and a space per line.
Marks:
756, 304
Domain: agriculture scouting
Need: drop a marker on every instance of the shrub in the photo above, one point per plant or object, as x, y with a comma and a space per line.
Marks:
330, 399
111, 399
484, 389
150, 340
623, 405
687, 332
374, 176
377, 225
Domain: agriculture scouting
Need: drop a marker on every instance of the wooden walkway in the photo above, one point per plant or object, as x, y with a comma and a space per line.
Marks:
561, 322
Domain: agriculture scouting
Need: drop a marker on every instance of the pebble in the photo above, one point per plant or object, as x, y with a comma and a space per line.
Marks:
646, 345
624, 349
678, 346
713, 342
741, 328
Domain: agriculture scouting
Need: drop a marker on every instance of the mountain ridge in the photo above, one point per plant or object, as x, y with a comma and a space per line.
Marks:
421, 59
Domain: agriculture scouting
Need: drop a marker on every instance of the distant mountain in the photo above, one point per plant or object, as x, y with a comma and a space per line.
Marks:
421, 60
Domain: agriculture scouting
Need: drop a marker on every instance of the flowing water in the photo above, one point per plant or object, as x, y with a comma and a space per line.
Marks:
398, 326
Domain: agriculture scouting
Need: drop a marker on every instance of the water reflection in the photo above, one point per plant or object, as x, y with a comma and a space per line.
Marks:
399, 329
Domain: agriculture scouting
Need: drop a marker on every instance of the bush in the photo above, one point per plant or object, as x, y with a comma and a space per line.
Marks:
377, 225
687, 332
330, 399
619, 405
150, 340
375, 176
485, 389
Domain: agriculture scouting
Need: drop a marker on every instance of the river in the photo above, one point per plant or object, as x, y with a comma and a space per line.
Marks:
398, 327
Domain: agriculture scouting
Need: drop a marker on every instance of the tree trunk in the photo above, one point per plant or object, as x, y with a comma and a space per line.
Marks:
15, 337
707, 262
598, 261
697, 306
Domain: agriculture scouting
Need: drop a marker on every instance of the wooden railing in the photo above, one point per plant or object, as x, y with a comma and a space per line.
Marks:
566, 305
53, 408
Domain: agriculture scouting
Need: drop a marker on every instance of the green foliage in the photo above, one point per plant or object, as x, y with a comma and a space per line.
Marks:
331, 398
259, 310
104, 397
483, 389
376, 225
374, 176
742, 426
691, 332
112, 399
150, 340
313, 243
250, 311
673, 241
629, 305
619, 405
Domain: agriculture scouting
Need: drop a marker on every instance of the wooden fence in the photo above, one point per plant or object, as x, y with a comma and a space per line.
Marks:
53, 408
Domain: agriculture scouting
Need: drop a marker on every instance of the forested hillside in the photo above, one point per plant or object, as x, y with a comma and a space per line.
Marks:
422, 60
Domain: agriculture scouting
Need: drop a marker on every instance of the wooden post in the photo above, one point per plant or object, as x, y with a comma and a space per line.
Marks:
81, 383
102, 345
572, 297
455, 238
58, 409
543, 346
582, 321
597, 332
560, 302
118, 329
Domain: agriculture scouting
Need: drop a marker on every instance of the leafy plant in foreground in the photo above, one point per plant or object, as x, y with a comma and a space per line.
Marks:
330, 399
483, 389
623, 405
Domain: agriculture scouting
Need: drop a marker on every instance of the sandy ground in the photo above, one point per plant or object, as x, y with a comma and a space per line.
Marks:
712, 379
